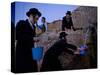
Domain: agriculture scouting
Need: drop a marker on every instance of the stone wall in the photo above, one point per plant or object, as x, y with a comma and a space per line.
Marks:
83, 17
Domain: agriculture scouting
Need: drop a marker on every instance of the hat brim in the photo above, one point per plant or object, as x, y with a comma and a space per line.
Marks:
33, 11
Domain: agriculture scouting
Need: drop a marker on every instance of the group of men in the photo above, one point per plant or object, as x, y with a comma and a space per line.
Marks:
25, 33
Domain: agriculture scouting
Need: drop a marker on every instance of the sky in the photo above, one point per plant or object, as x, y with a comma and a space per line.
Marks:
50, 11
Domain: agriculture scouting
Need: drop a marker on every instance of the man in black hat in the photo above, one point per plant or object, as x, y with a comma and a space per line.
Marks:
67, 23
25, 33
44, 25
50, 60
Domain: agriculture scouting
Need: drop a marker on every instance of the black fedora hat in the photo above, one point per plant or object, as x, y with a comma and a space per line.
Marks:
33, 11
63, 34
68, 12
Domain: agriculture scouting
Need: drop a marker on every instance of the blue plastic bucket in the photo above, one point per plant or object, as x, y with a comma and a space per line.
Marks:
37, 53
83, 51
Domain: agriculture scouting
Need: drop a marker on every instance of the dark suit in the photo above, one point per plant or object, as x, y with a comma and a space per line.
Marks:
50, 60
43, 28
24, 37
67, 23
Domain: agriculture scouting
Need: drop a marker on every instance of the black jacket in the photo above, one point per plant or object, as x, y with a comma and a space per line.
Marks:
67, 24
50, 60
24, 37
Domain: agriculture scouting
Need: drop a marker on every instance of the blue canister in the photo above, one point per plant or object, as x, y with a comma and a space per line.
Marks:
83, 51
37, 53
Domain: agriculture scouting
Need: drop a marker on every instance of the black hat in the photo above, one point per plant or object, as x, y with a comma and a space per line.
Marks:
43, 18
68, 12
63, 34
33, 11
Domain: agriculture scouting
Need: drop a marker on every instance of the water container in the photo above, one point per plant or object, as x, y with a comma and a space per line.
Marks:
83, 51
37, 53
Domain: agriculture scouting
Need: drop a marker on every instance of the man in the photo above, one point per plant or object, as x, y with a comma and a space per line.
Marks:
67, 23
44, 24
25, 33
50, 60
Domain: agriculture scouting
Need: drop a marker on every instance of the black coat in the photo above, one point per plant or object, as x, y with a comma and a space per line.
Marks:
50, 60
67, 24
24, 37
